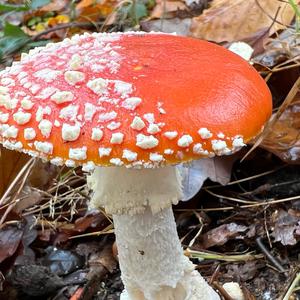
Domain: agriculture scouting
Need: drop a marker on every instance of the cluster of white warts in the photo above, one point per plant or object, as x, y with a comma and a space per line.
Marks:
99, 86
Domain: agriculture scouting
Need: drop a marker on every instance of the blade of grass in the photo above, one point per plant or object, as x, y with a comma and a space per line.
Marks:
223, 257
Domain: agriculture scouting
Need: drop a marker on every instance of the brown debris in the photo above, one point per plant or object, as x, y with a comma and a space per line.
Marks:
232, 20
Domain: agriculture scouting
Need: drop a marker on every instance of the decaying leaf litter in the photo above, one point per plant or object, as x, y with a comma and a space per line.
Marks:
246, 231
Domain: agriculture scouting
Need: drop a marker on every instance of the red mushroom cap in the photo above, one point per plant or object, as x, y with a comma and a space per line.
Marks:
135, 99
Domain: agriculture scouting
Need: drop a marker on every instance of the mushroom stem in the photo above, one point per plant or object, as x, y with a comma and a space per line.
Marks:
152, 262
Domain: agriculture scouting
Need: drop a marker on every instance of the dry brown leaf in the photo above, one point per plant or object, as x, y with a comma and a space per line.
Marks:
285, 226
91, 11
104, 258
55, 5
280, 49
283, 138
11, 163
219, 168
235, 20
180, 26
167, 9
42, 174
29, 198
85, 3
220, 235
10, 238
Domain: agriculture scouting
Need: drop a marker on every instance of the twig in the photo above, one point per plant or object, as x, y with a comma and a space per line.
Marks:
108, 230
222, 291
268, 254
65, 26
266, 202
191, 243
244, 179
266, 228
230, 198
274, 19
215, 274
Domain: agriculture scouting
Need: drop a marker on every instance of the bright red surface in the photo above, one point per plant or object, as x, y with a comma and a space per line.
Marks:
199, 84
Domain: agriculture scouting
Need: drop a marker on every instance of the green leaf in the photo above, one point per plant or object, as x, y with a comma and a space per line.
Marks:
140, 10
31, 45
34, 4
14, 38
9, 45
34, 21
11, 30
133, 12
11, 7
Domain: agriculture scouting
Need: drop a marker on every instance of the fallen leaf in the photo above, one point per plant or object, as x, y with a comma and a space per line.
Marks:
12, 7
61, 262
55, 5
285, 235
180, 26
105, 258
12, 39
94, 11
245, 271
59, 19
42, 174
30, 5
285, 227
282, 48
167, 9
100, 264
29, 236
217, 169
28, 198
10, 238
236, 20
220, 235
283, 137
85, 3
34, 280
91, 220
11, 162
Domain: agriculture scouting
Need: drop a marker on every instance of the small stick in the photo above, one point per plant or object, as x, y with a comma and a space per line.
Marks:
215, 274
222, 291
65, 26
268, 254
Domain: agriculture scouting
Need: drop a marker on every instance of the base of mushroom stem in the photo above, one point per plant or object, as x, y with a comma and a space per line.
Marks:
191, 287
152, 263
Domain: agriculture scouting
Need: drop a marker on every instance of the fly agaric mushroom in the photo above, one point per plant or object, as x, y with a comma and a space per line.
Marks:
132, 106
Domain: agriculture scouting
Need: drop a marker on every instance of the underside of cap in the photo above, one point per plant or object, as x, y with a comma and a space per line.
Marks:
134, 99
